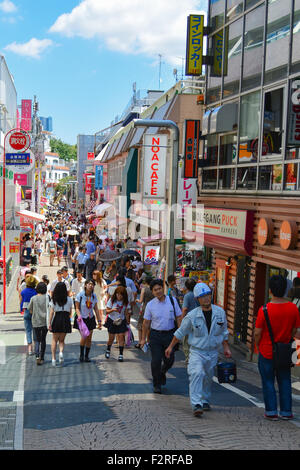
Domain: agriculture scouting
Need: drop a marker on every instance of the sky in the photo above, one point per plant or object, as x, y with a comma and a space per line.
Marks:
81, 58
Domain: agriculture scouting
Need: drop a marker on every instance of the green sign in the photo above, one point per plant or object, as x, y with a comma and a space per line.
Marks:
8, 173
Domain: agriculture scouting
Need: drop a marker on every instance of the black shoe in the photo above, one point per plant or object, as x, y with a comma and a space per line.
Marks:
163, 378
198, 411
156, 389
107, 354
81, 359
206, 407
87, 359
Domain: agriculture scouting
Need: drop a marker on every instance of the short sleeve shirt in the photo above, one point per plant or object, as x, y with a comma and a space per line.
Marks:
283, 318
65, 308
190, 302
161, 314
120, 307
87, 304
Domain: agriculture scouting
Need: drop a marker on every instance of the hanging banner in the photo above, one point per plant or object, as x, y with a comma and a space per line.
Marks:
99, 177
293, 139
187, 191
191, 149
26, 115
155, 157
151, 255
194, 45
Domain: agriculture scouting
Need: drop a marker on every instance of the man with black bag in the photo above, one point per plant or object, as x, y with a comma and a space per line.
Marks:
163, 314
276, 325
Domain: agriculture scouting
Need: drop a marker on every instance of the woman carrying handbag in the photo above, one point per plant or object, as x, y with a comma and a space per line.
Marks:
276, 325
86, 306
117, 320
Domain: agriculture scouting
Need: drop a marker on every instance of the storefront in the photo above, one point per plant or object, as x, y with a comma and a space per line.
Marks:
260, 238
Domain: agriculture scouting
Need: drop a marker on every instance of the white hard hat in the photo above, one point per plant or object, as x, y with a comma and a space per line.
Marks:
201, 289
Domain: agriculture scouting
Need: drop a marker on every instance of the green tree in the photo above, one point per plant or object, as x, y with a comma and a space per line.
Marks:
65, 151
62, 188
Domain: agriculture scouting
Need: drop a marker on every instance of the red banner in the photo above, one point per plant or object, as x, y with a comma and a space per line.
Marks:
26, 115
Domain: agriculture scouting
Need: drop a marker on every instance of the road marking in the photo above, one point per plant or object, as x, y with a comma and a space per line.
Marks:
19, 399
239, 392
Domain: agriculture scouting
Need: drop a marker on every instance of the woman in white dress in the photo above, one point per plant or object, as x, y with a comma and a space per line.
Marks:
100, 290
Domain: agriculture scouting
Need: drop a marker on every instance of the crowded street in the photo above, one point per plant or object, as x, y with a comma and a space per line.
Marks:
150, 228
107, 404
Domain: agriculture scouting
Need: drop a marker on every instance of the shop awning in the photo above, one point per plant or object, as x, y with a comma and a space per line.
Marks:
224, 118
31, 215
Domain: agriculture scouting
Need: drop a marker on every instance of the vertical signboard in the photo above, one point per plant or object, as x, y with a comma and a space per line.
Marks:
99, 177
187, 191
191, 149
194, 45
217, 45
90, 156
26, 115
155, 157
293, 139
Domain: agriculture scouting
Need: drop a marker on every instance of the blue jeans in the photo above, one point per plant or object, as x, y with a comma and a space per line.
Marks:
283, 376
28, 326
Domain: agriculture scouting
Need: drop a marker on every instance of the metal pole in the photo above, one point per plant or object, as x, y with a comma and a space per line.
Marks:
172, 199
4, 230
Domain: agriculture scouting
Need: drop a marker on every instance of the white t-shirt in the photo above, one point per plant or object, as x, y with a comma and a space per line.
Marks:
53, 284
121, 309
66, 308
77, 286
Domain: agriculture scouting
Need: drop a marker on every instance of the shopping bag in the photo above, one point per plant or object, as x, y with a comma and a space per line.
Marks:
84, 331
129, 337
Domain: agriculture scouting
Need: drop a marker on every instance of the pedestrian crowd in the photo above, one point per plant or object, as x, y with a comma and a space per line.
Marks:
108, 285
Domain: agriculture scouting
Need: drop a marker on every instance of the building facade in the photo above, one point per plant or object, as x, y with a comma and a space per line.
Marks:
249, 181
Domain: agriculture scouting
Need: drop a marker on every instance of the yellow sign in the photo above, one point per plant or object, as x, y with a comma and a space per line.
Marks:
218, 53
194, 49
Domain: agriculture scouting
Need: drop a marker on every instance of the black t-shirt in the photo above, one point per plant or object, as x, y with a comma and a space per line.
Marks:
208, 314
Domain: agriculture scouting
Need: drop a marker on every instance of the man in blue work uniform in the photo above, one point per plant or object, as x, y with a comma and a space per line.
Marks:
160, 313
206, 327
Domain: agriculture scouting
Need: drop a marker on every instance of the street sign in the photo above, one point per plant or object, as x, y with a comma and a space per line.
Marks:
19, 141
20, 162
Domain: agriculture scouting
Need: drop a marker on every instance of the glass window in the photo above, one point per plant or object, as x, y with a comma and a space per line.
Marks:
292, 153
214, 81
226, 178
234, 8
250, 3
233, 56
212, 150
249, 127
253, 48
209, 179
217, 13
272, 138
278, 32
228, 149
291, 177
296, 38
270, 177
246, 178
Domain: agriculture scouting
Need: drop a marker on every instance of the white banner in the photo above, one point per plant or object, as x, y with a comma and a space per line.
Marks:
151, 255
155, 156
187, 190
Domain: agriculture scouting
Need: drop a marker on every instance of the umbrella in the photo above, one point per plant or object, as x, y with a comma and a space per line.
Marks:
131, 253
110, 255
71, 232
102, 208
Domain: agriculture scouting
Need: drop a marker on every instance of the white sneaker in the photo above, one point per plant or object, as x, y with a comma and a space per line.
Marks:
54, 362
61, 357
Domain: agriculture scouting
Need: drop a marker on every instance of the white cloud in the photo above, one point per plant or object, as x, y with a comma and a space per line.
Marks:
132, 26
7, 6
33, 48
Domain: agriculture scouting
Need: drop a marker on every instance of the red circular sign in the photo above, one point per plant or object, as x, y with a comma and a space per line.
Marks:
18, 141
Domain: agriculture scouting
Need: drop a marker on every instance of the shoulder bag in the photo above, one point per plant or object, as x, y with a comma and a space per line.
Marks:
176, 347
282, 352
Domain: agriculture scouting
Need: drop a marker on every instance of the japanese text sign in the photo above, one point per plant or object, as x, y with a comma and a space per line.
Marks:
194, 49
151, 255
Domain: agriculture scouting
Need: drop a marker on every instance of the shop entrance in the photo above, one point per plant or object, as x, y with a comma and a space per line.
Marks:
242, 300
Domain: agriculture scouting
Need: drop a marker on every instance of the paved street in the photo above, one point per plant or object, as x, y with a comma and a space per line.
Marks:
110, 405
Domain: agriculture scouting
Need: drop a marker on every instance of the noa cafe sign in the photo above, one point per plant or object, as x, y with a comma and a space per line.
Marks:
288, 233
155, 157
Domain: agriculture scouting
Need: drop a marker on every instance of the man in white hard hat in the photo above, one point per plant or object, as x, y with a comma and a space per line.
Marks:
206, 327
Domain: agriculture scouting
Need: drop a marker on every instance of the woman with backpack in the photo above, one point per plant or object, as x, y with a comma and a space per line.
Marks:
60, 319
118, 317
86, 308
